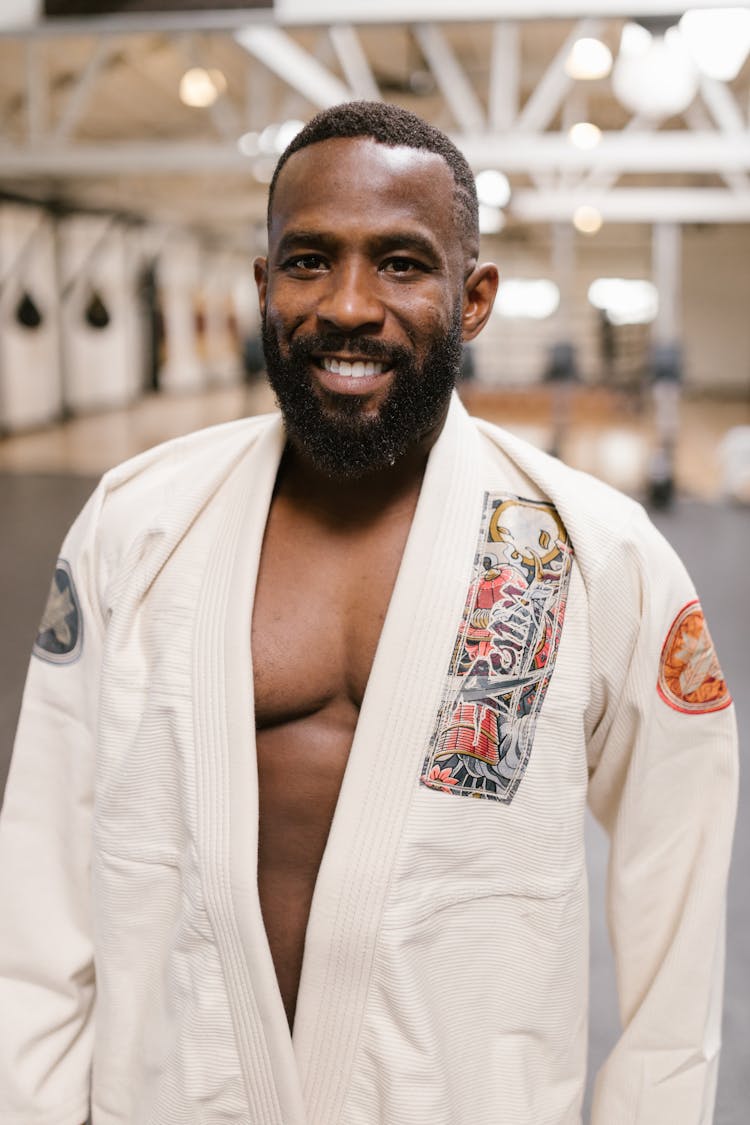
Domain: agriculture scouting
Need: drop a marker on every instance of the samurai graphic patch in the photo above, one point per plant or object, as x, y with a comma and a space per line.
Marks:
505, 651
690, 677
60, 634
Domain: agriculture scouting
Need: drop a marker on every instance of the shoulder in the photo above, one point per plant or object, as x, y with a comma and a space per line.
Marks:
190, 467
588, 502
158, 492
628, 569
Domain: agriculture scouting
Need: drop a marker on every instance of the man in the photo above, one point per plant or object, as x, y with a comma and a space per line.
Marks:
363, 818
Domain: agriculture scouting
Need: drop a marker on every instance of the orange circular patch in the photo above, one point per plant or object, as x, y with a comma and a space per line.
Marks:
690, 678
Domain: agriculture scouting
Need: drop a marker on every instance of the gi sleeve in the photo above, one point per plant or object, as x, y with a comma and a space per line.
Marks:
663, 782
46, 955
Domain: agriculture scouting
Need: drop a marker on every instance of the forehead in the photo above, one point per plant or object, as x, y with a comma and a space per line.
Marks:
356, 180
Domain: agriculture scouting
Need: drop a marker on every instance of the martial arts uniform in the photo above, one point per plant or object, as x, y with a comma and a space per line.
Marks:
543, 646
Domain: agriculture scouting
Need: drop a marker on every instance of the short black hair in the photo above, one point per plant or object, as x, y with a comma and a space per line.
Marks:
391, 125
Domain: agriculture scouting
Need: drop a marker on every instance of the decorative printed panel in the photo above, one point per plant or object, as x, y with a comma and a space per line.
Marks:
505, 651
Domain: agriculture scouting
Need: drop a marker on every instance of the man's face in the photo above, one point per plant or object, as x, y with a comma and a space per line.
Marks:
362, 298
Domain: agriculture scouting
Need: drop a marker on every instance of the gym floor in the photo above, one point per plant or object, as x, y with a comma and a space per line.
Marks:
46, 476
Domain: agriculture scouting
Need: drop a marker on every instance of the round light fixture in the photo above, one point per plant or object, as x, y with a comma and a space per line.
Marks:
200, 88
584, 134
654, 75
589, 59
587, 219
493, 188
718, 39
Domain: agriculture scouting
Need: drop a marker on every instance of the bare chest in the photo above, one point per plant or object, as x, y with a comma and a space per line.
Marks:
319, 610
320, 603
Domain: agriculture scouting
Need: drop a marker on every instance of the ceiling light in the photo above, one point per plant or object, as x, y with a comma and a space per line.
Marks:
589, 59
584, 134
493, 188
718, 39
527, 298
654, 75
274, 138
491, 219
249, 144
286, 133
263, 169
200, 88
625, 301
587, 220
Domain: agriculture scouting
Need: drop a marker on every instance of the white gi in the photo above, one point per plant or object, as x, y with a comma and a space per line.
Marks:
445, 969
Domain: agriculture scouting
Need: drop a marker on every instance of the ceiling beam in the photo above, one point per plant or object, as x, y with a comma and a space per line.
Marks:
81, 91
353, 62
666, 152
674, 151
324, 12
450, 77
505, 76
37, 92
554, 83
636, 205
302, 12
293, 64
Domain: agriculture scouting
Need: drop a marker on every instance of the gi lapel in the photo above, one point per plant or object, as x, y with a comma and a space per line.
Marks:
384, 766
228, 789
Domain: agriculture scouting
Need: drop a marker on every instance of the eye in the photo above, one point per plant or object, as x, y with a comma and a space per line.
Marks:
403, 266
305, 263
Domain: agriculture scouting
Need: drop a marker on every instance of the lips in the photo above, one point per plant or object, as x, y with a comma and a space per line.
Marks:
351, 368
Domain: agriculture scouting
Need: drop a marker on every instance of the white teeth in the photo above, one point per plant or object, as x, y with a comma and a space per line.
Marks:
356, 370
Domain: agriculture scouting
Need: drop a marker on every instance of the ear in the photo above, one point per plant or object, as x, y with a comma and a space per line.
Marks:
260, 269
480, 288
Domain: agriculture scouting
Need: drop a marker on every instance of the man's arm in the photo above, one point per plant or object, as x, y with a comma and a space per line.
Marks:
46, 954
664, 784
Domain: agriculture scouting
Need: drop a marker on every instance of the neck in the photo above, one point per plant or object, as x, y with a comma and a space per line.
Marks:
360, 500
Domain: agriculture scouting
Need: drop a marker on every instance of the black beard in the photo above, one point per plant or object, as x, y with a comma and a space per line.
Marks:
338, 439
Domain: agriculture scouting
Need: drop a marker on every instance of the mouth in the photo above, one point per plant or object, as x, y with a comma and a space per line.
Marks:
351, 374
352, 367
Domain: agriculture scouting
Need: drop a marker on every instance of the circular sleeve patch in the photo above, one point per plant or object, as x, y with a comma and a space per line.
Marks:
60, 634
690, 677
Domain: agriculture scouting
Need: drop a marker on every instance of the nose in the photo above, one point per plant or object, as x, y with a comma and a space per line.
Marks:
350, 302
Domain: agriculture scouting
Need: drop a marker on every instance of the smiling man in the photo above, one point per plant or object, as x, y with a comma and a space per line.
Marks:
294, 828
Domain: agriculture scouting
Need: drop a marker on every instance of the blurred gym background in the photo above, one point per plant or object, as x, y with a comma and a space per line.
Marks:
611, 145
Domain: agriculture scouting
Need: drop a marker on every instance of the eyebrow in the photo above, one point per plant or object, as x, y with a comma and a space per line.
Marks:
377, 243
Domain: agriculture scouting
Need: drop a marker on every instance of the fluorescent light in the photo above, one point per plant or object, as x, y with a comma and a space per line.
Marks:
589, 59
493, 188
625, 301
585, 135
718, 39
527, 298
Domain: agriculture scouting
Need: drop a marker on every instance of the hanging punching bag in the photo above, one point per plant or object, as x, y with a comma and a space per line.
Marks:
96, 314
27, 312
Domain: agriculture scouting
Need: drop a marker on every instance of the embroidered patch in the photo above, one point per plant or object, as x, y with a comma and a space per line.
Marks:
60, 635
690, 677
504, 653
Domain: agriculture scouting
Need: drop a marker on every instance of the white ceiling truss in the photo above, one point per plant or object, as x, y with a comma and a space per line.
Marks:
89, 108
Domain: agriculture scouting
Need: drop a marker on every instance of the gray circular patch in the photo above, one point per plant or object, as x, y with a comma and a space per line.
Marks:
60, 635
